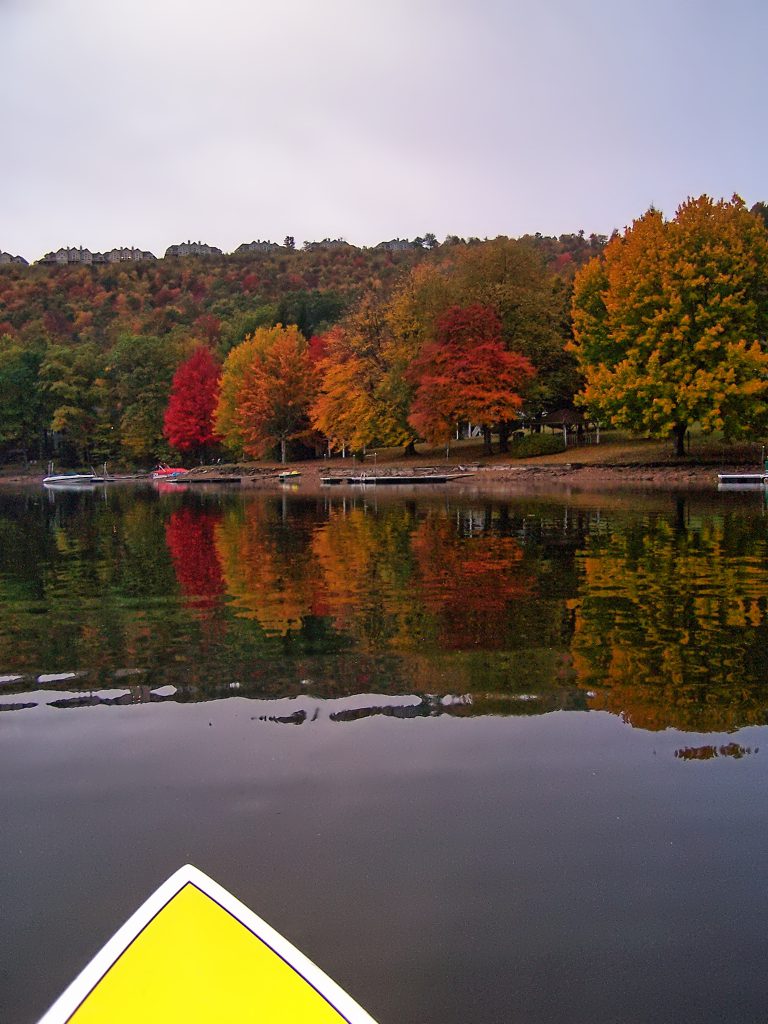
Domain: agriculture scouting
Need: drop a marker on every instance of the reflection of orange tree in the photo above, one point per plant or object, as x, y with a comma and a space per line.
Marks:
270, 571
466, 580
189, 534
367, 566
666, 627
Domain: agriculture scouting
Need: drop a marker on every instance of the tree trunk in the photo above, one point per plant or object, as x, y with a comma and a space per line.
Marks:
678, 432
504, 432
410, 449
282, 450
487, 449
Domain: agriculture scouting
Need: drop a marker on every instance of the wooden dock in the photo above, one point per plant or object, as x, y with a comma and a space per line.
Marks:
390, 480
203, 479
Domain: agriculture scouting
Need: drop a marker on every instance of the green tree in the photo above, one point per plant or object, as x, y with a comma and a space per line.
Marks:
670, 323
73, 381
141, 372
312, 312
239, 325
21, 408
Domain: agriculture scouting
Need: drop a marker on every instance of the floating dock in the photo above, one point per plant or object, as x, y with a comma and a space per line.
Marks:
755, 479
391, 480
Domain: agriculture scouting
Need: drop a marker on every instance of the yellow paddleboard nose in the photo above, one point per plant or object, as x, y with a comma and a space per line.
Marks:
193, 953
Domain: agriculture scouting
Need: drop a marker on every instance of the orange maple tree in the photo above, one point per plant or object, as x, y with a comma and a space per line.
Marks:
274, 396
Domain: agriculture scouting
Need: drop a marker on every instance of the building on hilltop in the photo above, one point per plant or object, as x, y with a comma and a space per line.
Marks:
192, 249
84, 257
397, 245
127, 255
328, 243
5, 257
257, 246
67, 255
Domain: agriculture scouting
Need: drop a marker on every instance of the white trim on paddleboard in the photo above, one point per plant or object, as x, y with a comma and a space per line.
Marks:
89, 977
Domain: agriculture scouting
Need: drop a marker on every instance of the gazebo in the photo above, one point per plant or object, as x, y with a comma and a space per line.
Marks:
570, 421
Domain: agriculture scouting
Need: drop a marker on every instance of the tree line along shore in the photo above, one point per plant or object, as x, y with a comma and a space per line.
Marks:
659, 330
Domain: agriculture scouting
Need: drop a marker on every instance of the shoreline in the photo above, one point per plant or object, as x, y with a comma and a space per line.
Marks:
514, 475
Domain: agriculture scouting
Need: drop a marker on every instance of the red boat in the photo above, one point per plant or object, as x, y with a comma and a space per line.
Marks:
164, 472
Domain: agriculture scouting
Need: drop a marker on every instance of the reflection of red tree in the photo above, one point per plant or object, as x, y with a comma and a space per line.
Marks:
189, 534
467, 582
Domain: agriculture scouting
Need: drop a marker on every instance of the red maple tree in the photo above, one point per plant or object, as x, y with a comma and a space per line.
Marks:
466, 374
188, 423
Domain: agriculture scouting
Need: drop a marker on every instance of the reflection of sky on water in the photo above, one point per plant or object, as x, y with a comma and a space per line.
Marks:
463, 858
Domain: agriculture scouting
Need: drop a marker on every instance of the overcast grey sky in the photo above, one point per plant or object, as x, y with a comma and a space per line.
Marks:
147, 122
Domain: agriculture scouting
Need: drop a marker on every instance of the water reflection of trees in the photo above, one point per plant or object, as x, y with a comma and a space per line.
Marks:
525, 606
469, 574
670, 625
77, 581
267, 562
709, 751
368, 567
445, 577
189, 534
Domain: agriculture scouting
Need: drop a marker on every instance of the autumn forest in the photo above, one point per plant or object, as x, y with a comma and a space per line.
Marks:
300, 353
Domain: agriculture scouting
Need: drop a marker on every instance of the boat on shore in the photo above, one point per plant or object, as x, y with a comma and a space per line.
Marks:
165, 472
73, 480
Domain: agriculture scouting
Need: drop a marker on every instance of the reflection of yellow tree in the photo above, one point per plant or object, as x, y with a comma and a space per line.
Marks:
269, 567
666, 625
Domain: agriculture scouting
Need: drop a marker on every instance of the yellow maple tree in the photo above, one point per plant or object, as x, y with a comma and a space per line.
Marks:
670, 323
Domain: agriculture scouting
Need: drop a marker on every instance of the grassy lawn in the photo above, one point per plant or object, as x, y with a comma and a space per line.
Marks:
616, 448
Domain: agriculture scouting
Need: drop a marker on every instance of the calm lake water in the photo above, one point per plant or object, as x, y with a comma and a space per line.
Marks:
482, 760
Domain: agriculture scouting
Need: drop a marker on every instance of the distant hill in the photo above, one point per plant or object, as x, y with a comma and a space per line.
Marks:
219, 298
215, 297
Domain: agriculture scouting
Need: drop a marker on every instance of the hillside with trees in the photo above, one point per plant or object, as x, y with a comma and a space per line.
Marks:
88, 353
333, 348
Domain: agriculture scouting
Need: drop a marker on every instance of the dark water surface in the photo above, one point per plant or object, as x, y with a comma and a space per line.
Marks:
482, 760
